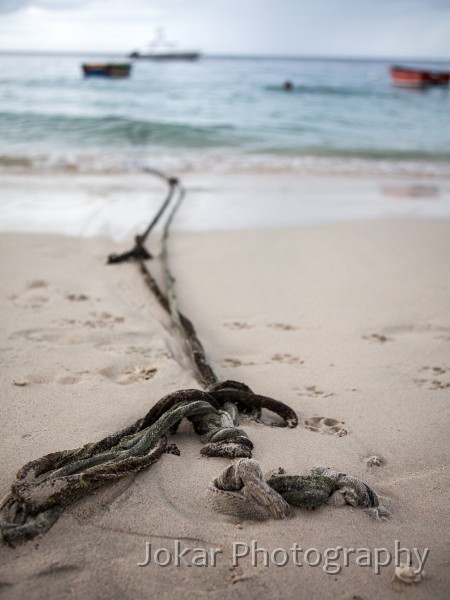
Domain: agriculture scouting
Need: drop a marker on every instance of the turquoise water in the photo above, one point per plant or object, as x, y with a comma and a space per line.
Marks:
225, 111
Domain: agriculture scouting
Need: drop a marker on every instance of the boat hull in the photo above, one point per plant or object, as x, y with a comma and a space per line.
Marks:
417, 78
113, 70
163, 56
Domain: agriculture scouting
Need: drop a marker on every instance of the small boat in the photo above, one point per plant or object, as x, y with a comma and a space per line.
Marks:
418, 78
106, 69
170, 55
161, 49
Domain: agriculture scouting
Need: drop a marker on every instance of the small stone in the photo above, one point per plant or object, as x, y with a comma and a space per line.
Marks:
374, 461
20, 383
407, 574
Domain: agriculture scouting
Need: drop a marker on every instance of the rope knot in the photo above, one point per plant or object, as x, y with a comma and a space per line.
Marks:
242, 491
251, 404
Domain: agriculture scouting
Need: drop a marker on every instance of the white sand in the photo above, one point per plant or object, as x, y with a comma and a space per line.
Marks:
348, 321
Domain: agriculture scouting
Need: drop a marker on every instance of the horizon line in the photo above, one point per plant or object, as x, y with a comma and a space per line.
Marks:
221, 55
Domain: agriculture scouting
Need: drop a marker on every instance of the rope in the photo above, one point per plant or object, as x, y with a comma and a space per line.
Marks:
43, 488
241, 491
139, 251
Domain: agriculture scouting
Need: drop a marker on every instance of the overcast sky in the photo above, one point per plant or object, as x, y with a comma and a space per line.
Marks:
368, 28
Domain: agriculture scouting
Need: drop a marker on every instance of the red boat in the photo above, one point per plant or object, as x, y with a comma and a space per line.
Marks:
418, 78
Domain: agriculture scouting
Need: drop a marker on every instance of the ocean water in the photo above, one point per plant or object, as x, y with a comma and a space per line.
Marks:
220, 114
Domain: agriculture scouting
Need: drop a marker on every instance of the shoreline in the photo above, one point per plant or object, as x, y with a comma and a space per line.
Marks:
102, 162
118, 206
348, 323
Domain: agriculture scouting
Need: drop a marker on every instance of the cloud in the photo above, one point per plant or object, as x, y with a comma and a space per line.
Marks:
414, 28
11, 6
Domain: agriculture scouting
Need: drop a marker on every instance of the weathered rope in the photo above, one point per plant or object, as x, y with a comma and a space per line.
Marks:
242, 491
185, 327
43, 488
139, 251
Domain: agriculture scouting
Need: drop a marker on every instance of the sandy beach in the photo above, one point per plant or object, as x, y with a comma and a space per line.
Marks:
254, 403
347, 323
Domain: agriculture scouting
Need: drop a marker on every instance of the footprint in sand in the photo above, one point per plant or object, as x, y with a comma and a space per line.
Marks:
235, 362
436, 331
126, 377
42, 379
33, 379
49, 337
73, 378
312, 391
33, 297
439, 370
102, 320
377, 337
145, 351
436, 370
431, 382
326, 426
435, 384
77, 297
287, 359
282, 326
237, 325
129, 376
